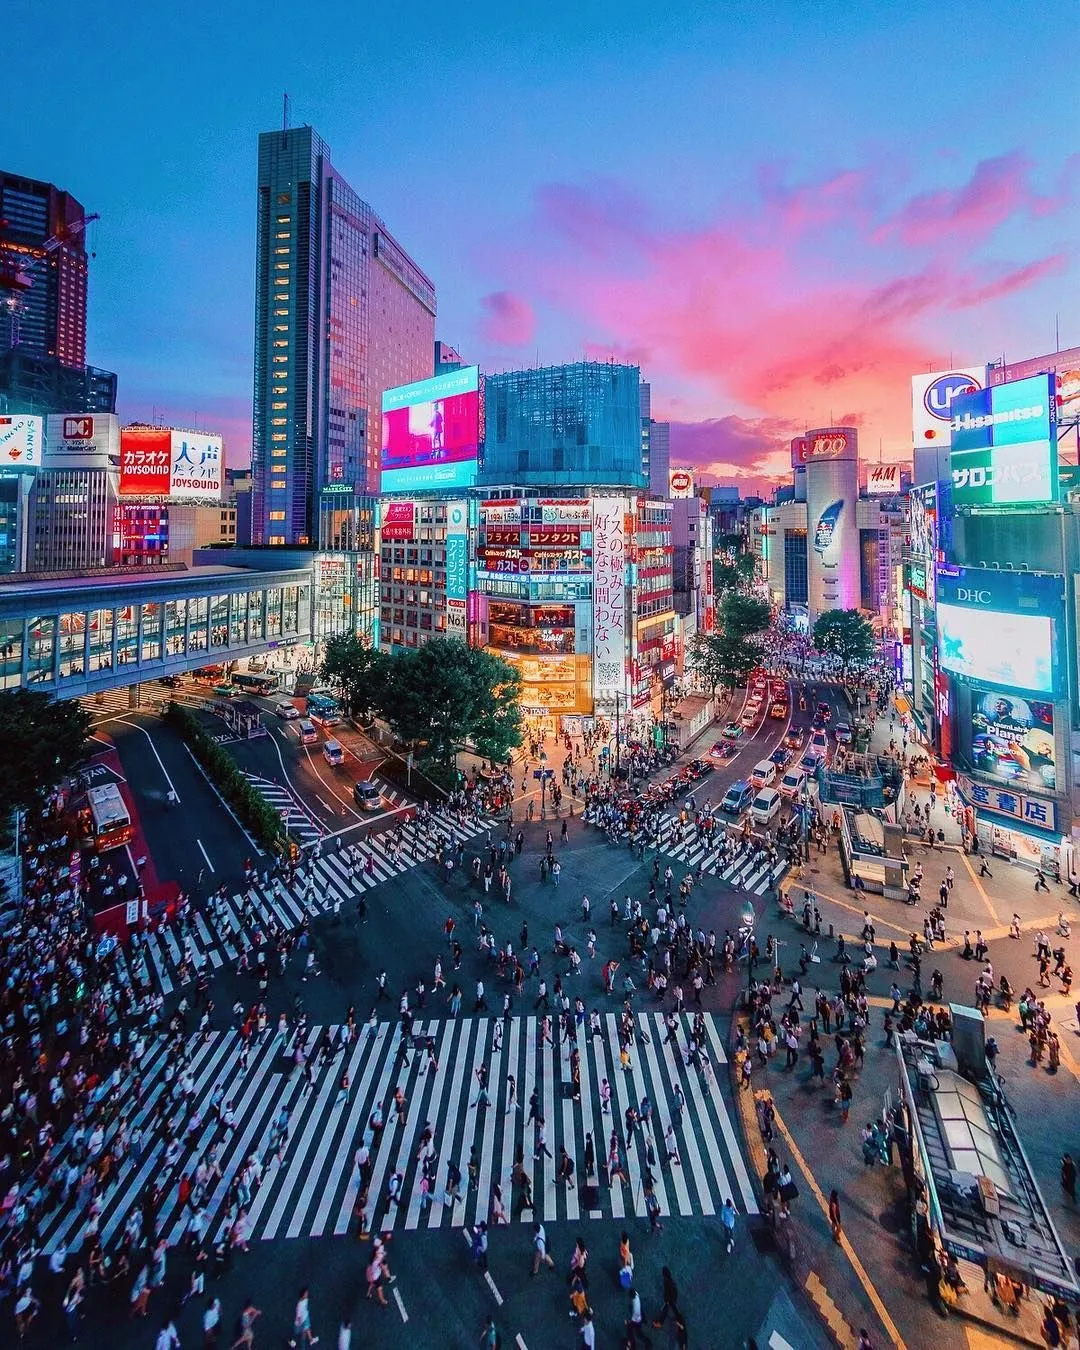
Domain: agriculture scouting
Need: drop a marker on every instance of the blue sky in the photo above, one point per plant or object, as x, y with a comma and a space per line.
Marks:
782, 210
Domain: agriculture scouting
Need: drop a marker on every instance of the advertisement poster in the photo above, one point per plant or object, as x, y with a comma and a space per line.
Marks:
609, 596
21, 441
162, 462
431, 432
932, 399
1004, 445
398, 520
82, 441
1012, 739
882, 479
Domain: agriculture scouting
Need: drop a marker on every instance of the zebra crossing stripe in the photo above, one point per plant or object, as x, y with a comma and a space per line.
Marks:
312, 1192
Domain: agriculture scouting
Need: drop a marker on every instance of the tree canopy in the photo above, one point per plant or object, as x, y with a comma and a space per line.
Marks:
43, 740
356, 673
442, 694
846, 634
726, 657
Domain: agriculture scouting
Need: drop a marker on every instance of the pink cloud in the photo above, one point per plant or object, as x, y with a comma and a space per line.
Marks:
508, 319
998, 189
754, 452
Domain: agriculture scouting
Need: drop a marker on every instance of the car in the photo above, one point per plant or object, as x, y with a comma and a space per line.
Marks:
766, 805
842, 732
170, 681
824, 712
719, 750
820, 741
779, 689
792, 784
732, 731
811, 761
778, 709
366, 795
780, 756
738, 797
749, 717
325, 719
287, 710
225, 691
334, 752
702, 767
793, 740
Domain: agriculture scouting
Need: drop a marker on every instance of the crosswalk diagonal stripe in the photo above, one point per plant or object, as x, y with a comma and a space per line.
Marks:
373, 1046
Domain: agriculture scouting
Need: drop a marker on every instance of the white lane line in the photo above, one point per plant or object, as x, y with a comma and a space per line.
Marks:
520, 1343
400, 1305
153, 747
466, 1233
332, 809
205, 855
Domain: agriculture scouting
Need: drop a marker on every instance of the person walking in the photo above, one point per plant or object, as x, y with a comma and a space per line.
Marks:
302, 1320
635, 1325
671, 1297
834, 1215
1068, 1177
727, 1218
541, 1255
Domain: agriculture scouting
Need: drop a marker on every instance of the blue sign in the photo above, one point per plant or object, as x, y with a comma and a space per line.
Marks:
457, 567
940, 395
1004, 444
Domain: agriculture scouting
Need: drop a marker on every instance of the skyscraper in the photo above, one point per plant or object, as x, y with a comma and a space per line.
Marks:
341, 314
43, 270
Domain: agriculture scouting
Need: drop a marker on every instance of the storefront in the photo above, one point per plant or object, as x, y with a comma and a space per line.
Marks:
1014, 825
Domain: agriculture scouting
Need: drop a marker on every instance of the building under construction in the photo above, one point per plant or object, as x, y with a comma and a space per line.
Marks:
567, 425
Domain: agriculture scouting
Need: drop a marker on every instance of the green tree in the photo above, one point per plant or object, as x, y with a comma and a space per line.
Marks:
846, 634
43, 740
356, 673
446, 694
726, 657
740, 616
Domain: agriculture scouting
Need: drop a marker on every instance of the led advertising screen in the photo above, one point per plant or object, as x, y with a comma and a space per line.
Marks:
1010, 649
1012, 739
1004, 444
21, 439
431, 433
82, 441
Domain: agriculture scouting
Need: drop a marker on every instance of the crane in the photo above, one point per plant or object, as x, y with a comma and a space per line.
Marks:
15, 273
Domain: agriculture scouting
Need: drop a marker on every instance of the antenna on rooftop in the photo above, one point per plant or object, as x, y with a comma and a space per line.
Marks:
285, 111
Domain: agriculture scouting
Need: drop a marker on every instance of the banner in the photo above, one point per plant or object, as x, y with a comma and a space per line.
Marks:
609, 596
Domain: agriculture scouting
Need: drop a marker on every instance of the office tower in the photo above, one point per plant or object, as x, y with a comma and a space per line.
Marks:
43, 269
341, 314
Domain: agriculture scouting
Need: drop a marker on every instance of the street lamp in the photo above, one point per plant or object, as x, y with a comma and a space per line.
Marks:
748, 919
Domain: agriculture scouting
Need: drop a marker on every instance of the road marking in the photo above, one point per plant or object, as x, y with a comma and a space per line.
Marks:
777, 1342
332, 809
400, 1305
467, 1233
849, 1251
980, 889
519, 1342
236, 819
205, 855
156, 755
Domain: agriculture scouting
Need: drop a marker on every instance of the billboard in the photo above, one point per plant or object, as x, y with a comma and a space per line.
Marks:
431, 432
1000, 627
1065, 364
457, 559
1012, 739
825, 443
1004, 444
680, 483
609, 596
398, 520
82, 441
932, 400
164, 462
882, 479
21, 442
568, 511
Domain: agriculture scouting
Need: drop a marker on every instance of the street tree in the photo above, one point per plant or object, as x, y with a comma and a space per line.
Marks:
740, 616
846, 634
722, 660
356, 672
447, 694
43, 740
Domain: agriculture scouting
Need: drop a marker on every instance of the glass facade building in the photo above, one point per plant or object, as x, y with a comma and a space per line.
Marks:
567, 425
341, 314
796, 583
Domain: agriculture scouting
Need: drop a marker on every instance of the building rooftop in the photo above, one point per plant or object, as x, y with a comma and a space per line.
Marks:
124, 577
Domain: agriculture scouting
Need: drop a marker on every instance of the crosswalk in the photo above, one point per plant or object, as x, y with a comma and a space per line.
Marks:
312, 1190
300, 821
748, 870
222, 930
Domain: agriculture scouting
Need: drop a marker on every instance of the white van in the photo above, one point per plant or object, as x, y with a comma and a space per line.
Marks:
308, 734
764, 774
766, 806
792, 784
333, 752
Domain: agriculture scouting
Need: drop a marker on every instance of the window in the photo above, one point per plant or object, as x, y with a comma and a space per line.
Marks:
282, 250
281, 342
278, 452
279, 421
279, 436
281, 313
279, 388
283, 220
277, 515
283, 234
281, 328
277, 538
281, 360
275, 406
281, 281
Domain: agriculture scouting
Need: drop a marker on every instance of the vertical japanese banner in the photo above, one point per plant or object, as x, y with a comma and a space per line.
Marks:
457, 568
609, 596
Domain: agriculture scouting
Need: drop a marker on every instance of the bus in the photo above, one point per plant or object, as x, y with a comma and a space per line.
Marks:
323, 708
109, 825
261, 685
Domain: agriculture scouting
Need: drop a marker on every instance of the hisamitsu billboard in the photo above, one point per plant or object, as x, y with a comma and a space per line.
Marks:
1004, 444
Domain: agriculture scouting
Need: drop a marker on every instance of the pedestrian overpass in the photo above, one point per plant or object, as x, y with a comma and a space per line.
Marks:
76, 634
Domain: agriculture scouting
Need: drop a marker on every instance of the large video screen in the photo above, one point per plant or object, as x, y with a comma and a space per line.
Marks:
1010, 649
1012, 739
1004, 444
431, 433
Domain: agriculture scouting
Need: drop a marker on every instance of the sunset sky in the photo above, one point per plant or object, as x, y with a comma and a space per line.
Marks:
781, 211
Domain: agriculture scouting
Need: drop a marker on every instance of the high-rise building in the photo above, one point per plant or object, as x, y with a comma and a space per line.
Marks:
341, 314
43, 260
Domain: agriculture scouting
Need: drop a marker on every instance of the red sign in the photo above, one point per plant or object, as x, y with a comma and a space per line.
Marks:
557, 538
399, 520
145, 461
826, 443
